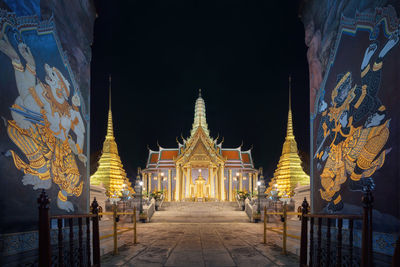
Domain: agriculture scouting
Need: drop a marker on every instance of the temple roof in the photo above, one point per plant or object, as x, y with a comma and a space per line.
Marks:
201, 142
289, 172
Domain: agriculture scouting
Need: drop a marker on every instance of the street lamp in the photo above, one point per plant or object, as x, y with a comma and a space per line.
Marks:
258, 198
140, 197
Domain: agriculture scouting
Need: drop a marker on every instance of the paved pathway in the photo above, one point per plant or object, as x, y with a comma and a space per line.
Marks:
199, 234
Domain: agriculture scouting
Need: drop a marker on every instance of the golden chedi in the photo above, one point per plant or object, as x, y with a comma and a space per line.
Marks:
111, 172
289, 174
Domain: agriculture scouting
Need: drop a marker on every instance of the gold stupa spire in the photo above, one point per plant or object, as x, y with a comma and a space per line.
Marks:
111, 172
289, 172
110, 130
199, 116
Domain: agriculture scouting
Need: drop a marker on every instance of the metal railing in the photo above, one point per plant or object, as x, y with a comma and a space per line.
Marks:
45, 248
115, 217
314, 257
284, 228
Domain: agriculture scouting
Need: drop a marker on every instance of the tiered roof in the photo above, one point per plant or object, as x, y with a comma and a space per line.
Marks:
166, 157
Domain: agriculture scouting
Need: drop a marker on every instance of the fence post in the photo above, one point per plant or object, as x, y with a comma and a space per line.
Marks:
265, 224
284, 229
44, 230
115, 235
95, 234
304, 233
134, 225
366, 246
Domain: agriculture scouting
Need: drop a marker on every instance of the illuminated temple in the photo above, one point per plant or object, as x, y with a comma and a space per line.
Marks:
199, 168
289, 174
110, 172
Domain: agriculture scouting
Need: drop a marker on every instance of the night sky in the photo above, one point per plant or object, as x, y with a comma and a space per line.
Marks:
160, 53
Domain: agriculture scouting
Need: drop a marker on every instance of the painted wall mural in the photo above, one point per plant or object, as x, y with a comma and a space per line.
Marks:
44, 127
355, 135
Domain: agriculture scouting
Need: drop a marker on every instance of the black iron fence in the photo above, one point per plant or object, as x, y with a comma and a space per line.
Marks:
88, 245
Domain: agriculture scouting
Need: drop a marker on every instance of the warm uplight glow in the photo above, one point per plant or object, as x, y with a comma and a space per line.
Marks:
162, 174
237, 174
199, 170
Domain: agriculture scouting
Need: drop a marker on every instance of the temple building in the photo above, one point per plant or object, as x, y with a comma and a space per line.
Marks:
199, 168
289, 174
110, 172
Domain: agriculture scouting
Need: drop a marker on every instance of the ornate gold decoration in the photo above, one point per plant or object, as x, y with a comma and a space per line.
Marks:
289, 172
111, 172
63, 109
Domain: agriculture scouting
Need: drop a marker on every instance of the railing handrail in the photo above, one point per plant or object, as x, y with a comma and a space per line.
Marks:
335, 216
45, 246
72, 216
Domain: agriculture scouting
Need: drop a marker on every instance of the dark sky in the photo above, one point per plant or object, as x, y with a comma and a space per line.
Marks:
160, 53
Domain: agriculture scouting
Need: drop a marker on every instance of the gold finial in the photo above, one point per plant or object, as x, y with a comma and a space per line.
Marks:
110, 131
290, 92
289, 129
199, 92
109, 92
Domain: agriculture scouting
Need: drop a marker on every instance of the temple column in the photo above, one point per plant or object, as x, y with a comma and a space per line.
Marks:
169, 186
255, 177
187, 182
149, 178
144, 178
182, 183
222, 183
177, 184
250, 183
159, 181
230, 186
211, 177
217, 182
190, 179
241, 181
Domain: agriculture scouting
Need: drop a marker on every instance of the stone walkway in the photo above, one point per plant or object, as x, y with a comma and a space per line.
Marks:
199, 234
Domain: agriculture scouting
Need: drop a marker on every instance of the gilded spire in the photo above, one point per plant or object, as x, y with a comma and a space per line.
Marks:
110, 131
289, 172
200, 115
289, 129
111, 172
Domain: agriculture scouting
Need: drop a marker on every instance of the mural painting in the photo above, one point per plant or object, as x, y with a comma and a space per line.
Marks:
44, 131
356, 121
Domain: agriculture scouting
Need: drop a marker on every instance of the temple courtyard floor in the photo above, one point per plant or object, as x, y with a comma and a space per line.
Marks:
199, 234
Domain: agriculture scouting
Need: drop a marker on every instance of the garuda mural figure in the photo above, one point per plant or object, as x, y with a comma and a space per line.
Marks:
42, 124
354, 128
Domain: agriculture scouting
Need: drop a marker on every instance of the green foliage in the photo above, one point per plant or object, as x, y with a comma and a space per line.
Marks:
243, 194
157, 194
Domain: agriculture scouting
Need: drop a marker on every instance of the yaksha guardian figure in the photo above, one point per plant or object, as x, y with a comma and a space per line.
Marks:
354, 129
42, 126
